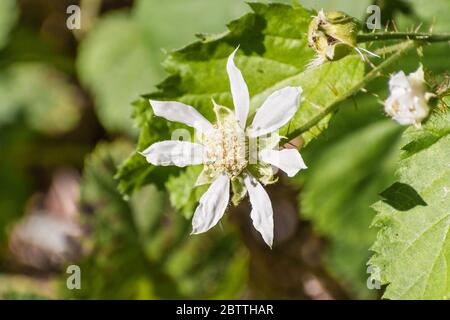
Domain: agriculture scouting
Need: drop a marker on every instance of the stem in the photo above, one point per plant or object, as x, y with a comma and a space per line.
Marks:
408, 45
427, 37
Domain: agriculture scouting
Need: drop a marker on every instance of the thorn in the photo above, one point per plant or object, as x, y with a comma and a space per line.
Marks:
418, 27
432, 24
394, 26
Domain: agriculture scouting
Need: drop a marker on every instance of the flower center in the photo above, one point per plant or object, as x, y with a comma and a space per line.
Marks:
226, 149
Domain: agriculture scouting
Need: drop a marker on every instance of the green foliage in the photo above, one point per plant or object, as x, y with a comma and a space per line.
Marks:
184, 196
115, 50
37, 102
427, 15
115, 239
341, 182
412, 251
144, 230
396, 213
354, 8
135, 171
346, 227
43, 95
127, 45
273, 54
138, 245
193, 17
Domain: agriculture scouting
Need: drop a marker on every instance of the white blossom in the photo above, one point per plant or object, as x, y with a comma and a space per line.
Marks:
408, 100
224, 150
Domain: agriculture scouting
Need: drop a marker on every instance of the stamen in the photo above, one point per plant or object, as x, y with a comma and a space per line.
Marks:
226, 149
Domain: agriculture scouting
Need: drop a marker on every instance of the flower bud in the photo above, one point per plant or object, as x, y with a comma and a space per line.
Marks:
332, 35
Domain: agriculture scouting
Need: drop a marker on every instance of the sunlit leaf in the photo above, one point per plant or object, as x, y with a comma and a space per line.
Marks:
412, 250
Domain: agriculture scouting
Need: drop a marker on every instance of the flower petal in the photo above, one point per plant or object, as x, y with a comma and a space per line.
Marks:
179, 112
239, 91
398, 83
212, 205
262, 213
417, 78
178, 153
276, 111
408, 100
288, 160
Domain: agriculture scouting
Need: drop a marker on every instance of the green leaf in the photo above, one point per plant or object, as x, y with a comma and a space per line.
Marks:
135, 170
412, 250
273, 54
184, 195
342, 181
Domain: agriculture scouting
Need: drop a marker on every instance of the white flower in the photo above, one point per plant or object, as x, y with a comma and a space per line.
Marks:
408, 100
224, 151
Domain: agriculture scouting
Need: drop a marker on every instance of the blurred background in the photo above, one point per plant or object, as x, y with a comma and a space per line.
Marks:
65, 126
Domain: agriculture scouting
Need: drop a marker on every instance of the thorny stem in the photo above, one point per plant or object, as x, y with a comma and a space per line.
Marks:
374, 73
413, 40
427, 37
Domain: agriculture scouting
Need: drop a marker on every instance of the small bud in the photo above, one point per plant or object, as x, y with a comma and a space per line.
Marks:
332, 35
408, 100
